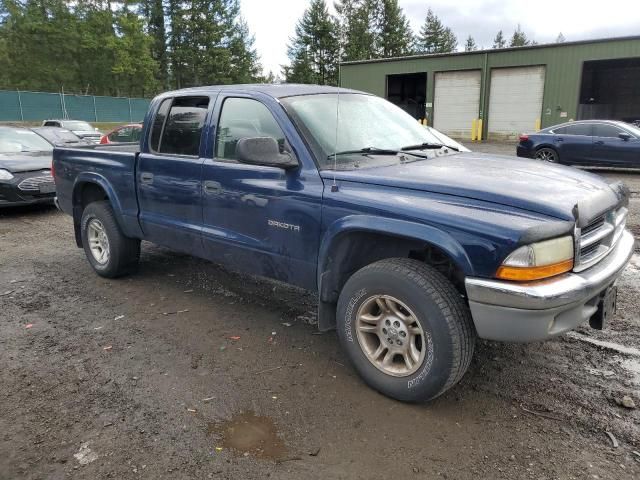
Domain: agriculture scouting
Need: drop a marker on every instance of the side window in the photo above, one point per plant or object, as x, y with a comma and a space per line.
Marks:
604, 130
158, 124
582, 129
136, 134
183, 128
51, 124
244, 118
122, 135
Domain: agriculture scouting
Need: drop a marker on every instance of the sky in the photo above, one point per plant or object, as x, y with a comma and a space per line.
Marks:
273, 21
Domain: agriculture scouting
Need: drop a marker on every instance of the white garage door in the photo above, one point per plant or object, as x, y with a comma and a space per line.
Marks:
456, 102
515, 101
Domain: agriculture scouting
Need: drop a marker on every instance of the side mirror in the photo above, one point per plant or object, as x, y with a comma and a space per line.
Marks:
263, 151
625, 136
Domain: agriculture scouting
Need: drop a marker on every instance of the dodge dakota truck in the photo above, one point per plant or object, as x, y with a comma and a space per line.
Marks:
414, 248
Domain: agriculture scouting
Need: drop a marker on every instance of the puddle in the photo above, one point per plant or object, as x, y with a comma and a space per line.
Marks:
248, 433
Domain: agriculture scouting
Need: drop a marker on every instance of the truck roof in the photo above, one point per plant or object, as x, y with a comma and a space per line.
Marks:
273, 90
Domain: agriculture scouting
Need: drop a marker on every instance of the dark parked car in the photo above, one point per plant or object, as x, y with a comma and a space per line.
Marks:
596, 143
81, 128
123, 134
61, 137
25, 162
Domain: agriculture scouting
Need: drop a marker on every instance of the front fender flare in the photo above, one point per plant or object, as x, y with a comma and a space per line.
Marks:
403, 229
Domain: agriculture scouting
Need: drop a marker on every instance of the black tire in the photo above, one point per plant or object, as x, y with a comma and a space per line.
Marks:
441, 312
547, 154
123, 252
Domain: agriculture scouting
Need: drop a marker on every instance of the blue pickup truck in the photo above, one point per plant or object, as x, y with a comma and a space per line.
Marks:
414, 248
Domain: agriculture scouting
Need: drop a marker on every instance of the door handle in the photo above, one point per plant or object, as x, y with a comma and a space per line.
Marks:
146, 177
559, 139
212, 188
599, 142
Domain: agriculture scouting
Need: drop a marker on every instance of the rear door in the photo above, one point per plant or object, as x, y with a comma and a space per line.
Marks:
611, 150
169, 172
573, 143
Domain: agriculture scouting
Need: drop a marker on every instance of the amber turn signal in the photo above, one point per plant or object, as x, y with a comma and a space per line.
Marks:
526, 274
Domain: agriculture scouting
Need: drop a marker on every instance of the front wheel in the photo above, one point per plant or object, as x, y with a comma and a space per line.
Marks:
547, 155
406, 329
109, 252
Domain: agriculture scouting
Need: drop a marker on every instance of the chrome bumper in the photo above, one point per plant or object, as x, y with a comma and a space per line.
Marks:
516, 312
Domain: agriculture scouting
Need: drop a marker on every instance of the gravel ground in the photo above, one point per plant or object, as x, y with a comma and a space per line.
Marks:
186, 370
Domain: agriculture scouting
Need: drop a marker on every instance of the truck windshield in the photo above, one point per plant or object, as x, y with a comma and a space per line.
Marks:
366, 125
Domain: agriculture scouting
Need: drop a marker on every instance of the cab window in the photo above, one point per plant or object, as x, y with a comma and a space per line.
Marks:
177, 128
244, 118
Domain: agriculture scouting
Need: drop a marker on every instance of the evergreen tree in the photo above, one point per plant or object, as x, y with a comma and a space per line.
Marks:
519, 38
499, 41
560, 38
153, 10
356, 28
470, 44
434, 37
395, 37
245, 65
314, 51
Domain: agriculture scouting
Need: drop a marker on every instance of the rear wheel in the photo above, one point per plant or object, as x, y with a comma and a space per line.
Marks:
547, 155
109, 252
406, 329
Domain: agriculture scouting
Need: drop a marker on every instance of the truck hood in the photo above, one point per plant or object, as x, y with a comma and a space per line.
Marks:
25, 161
531, 185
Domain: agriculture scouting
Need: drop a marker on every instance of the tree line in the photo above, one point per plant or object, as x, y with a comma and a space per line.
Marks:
368, 29
142, 47
124, 47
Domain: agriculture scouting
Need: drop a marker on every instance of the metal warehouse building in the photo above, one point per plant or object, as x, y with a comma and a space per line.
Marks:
504, 92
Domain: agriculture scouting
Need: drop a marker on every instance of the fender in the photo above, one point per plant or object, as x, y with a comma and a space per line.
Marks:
387, 226
101, 181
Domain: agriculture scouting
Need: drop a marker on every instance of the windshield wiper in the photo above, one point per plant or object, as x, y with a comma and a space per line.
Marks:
366, 151
428, 146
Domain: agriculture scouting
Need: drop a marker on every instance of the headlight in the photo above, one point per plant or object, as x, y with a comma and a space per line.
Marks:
538, 260
5, 175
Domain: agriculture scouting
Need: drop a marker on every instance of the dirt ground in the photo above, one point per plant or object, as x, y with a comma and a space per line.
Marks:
186, 370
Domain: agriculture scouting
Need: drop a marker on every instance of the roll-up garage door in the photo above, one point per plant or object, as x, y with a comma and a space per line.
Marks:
515, 101
456, 102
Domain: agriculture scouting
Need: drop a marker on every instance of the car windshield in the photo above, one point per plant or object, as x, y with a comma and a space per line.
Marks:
15, 140
77, 126
367, 125
633, 129
58, 135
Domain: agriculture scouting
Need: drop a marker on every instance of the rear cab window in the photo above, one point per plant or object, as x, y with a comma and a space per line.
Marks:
178, 125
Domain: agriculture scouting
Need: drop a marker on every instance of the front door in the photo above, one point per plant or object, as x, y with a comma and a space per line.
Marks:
611, 150
261, 219
168, 177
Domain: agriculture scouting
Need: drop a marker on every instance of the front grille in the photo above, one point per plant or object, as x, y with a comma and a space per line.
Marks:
599, 237
34, 184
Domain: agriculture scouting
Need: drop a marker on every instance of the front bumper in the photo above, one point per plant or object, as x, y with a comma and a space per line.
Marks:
514, 312
12, 195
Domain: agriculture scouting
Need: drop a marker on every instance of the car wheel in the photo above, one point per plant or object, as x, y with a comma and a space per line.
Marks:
547, 155
109, 252
406, 329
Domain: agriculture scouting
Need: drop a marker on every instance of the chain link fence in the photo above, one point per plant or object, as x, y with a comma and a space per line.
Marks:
17, 106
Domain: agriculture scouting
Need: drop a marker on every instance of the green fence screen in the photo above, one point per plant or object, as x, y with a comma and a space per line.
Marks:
16, 106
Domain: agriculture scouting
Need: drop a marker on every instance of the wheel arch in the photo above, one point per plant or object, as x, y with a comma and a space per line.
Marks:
356, 241
90, 188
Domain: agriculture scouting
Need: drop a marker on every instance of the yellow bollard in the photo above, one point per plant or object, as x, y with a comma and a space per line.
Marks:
479, 136
474, 129
538, 125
